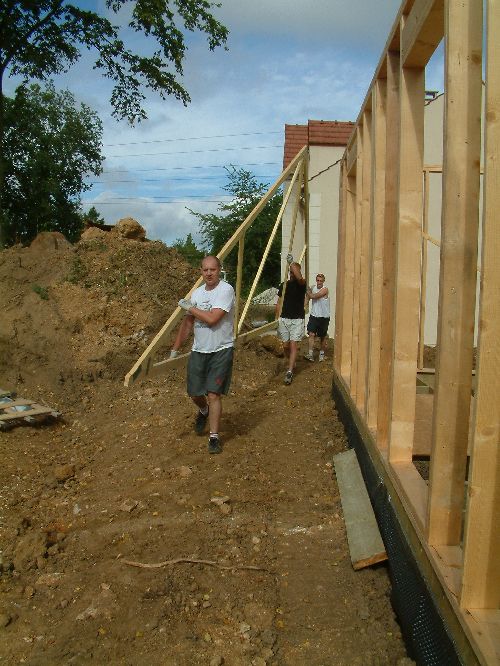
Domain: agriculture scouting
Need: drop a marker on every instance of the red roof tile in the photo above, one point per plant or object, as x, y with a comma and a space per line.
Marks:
315, 133
296, 137
329, 133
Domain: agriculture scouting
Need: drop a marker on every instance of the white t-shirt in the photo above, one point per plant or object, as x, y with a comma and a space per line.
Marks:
207, 338
320, 307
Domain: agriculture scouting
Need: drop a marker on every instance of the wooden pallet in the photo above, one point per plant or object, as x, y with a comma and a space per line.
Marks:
17, 411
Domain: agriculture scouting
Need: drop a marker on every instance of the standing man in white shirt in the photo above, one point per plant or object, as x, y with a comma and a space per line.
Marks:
210, 312
319, 317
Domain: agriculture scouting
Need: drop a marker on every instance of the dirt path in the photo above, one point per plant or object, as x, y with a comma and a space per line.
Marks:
125, 478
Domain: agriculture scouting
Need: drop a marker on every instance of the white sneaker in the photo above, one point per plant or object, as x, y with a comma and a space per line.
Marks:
309, 356
322, 357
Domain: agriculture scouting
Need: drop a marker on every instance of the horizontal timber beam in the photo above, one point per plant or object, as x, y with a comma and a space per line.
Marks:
422, 32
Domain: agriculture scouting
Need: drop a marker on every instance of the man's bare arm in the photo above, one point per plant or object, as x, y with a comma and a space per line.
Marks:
295, 269
184, 332
210, 317
277, 307
319, 294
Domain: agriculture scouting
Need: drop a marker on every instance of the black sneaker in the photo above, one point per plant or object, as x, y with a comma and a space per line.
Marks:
199, 424
288, 377
214, 445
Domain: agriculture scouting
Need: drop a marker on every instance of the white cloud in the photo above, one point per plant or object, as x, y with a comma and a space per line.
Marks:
287, 62
162, 221
350, 21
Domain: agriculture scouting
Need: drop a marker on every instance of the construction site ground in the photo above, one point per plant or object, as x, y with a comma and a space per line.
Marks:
255, 566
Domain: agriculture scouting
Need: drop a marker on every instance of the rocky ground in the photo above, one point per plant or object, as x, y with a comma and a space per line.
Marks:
122, 540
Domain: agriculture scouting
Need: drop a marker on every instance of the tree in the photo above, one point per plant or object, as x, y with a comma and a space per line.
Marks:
93, 218
50, 146
215, 229
189, 251
40, 38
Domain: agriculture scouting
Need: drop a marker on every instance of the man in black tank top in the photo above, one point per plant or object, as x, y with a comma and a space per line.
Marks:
291, 321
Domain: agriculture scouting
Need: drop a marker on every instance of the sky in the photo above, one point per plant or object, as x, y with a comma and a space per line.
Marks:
286, 62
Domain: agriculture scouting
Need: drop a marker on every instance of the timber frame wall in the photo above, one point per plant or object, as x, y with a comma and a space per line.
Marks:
452, 521
297, 197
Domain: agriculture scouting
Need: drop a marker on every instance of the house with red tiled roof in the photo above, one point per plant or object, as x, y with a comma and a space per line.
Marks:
332, 133
327, 140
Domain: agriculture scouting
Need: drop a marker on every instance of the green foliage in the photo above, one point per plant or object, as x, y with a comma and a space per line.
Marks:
92, 216
189, 251
41, 38
78, 271
41, 291
215, 229
50, 146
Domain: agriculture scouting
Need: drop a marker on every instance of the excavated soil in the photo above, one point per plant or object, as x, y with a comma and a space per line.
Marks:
252, 561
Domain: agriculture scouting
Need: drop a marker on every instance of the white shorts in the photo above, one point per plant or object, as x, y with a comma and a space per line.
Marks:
291, 329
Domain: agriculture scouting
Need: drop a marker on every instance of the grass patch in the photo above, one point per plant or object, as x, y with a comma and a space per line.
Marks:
78, 271
41, 291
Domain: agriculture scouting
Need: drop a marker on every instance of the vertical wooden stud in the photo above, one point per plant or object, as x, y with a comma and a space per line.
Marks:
457, 279
348, 298
481, 572
389, 250
364, 272
406, 311
379, 101
357, 264
423, 278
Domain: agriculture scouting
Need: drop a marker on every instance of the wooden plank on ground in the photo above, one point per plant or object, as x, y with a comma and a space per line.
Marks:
37, 409
365, 543
18, 402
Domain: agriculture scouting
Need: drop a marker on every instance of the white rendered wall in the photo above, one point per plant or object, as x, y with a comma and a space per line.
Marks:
324, 172
323, 220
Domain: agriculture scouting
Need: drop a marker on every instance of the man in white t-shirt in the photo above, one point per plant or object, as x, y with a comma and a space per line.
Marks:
319, 317
210, 312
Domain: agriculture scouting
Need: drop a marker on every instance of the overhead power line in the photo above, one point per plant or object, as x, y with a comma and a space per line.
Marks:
192, 152
146, 198
199, 166
191, 138
136, 202
161, 180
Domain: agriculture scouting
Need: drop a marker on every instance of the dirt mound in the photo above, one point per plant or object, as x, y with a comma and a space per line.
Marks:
250, 564
129, 228
75, 313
